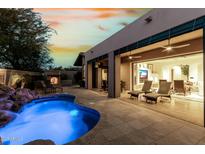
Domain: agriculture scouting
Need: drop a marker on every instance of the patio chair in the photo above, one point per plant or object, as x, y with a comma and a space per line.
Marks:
104, 85
179, 87
145, 89
47, 88
58, 86
164, 89
162, 80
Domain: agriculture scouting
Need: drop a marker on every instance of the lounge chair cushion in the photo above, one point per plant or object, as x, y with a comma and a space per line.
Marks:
135, 93
145, 89
147, 85
154, 96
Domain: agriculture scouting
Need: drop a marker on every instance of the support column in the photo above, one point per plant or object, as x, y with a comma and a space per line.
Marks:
99, 78
86, 75
113, 75
203, 69
89, 76
117, 76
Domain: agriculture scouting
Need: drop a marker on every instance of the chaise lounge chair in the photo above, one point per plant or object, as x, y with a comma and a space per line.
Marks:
164, 88
145, 89
179, 87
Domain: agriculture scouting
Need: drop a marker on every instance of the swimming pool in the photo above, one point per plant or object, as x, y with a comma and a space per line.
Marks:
57, 118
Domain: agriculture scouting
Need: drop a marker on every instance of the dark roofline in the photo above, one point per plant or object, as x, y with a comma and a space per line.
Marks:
186, 27
79, 59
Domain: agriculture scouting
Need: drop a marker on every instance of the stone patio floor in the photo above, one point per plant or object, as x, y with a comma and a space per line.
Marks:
122, 123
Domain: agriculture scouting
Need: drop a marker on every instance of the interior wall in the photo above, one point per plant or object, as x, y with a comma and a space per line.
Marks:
189, 107
104, 74
195, 68
162, 69
125, 74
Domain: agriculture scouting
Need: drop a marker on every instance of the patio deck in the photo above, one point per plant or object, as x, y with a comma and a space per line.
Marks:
126, 123
188, 110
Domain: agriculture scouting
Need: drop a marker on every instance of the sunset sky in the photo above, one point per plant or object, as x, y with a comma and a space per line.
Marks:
80, 29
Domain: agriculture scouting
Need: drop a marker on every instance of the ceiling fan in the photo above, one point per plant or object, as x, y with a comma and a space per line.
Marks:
170, 47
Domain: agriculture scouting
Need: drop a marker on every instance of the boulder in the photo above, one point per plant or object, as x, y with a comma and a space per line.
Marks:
0, 141
13, 100
6, 104
41, 142
16, 106
23, 96
4, 97
26, 93
6, 89
5, 117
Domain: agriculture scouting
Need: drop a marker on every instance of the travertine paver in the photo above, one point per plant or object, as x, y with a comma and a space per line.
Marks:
125, 123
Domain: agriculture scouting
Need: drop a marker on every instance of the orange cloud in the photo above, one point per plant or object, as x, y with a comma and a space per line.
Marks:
58, 49
96, 13
54, 24
107, 15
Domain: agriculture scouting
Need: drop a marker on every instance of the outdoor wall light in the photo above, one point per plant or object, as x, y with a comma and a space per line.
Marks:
96, 65
148, 19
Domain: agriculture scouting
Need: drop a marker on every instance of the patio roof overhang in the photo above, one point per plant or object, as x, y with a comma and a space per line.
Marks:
187, 27
196, 46
155, 50
170, 33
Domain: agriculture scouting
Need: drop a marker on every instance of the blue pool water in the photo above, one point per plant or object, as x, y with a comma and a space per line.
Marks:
55, 118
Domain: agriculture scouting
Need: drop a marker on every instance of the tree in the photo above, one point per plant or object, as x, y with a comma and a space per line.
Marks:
24, 40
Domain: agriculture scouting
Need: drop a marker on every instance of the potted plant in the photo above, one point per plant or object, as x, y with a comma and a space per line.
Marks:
122, 85
185, 70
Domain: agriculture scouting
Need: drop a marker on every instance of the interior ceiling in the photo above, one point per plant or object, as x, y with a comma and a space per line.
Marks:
194, 57
178, 39
103, 60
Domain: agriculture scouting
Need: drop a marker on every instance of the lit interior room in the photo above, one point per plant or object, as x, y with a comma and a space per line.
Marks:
187, 68
178, 61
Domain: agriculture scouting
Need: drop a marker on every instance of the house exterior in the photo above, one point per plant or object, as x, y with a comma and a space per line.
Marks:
140, 51
137, 35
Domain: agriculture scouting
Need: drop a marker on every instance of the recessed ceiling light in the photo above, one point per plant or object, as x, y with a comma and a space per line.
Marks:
169, 48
